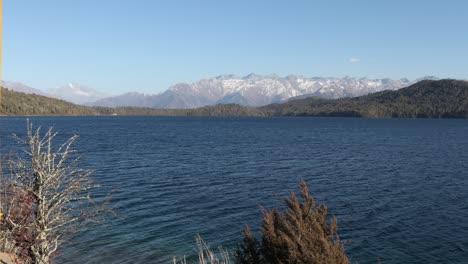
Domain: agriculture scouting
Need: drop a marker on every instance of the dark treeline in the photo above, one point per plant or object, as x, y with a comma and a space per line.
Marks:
15, 103
425, 99
433, 99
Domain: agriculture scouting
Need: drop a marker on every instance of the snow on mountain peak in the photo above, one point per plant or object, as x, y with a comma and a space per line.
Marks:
256, 90
251, 90
77, 93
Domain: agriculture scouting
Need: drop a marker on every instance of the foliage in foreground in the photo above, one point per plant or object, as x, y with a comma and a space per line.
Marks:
303, 233
45, 198
206, 255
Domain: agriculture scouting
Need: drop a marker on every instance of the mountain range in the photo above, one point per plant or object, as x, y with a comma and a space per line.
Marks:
427, 99
251, 90
71, 92
77, 93
23, 88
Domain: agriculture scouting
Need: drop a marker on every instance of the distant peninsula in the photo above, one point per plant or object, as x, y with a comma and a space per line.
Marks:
425, 99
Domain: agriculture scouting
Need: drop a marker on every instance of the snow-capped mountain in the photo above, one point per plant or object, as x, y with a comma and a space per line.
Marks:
77, 93
254, 90
127, 99
23, 88
250, 90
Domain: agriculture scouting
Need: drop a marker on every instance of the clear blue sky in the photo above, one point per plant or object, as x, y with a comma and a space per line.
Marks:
147, 45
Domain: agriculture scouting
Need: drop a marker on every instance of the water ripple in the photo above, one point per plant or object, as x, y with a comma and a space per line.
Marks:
397, 187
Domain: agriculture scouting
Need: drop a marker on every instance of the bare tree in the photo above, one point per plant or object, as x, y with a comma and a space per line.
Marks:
45, 197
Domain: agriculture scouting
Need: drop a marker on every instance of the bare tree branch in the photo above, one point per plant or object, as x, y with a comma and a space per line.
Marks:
45, 197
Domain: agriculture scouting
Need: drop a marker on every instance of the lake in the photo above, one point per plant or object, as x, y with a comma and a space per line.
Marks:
398, 187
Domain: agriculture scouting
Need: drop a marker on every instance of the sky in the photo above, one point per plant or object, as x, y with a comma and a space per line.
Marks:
117, 46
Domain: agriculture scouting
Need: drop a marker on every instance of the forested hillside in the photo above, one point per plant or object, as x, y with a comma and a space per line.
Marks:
425, 99
435, 99
16, 103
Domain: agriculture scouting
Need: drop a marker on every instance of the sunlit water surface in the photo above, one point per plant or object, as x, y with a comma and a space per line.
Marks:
399, 187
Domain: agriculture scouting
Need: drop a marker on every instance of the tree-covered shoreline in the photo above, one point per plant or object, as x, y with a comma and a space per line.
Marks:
426, 99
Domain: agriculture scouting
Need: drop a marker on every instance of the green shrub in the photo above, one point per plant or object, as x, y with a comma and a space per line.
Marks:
303, 233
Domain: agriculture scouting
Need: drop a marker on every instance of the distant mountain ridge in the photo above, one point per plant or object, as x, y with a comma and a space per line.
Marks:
72, 92
77, 93
253, 90
425, 99
23, 88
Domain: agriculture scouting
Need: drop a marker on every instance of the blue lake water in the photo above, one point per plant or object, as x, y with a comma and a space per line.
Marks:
399, 187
